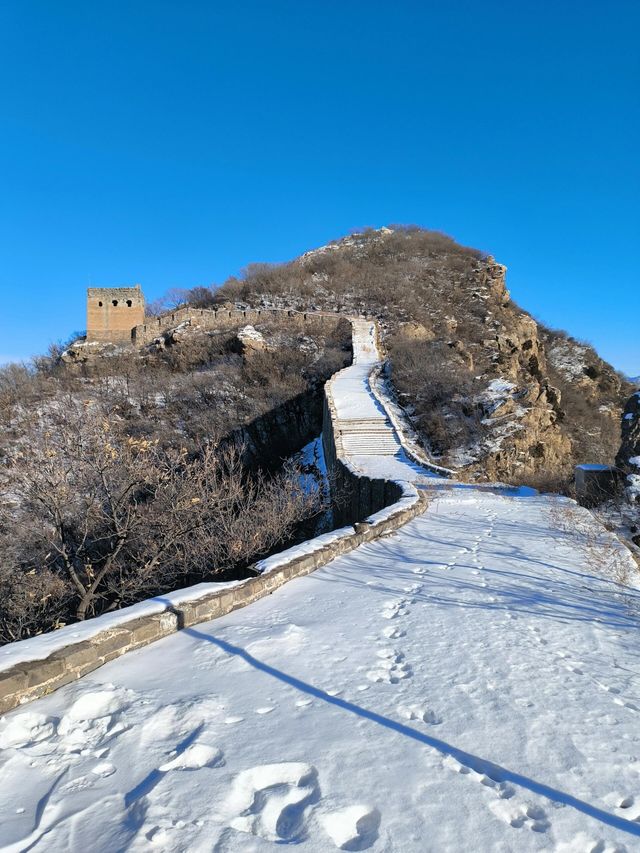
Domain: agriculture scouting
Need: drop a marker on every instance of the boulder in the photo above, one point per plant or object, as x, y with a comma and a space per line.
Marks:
250, 340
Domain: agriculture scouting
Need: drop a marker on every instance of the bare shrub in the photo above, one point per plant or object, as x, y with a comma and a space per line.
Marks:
97, 519
439, 389
601, 551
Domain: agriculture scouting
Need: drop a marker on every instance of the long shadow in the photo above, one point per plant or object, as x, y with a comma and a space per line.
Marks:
559, 601
474, 762
151, 779
544, 598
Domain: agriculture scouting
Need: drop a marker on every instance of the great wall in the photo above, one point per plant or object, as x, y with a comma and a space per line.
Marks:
371, 471
378, 473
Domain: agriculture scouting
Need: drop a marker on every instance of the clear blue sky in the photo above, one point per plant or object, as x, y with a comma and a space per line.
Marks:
172, 143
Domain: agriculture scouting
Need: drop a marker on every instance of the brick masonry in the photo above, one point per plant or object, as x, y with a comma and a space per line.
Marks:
113, 313
229, 318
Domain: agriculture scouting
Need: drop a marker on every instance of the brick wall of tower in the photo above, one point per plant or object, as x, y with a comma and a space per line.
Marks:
113, 313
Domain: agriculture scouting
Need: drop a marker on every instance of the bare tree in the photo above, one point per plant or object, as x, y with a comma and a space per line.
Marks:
105, 519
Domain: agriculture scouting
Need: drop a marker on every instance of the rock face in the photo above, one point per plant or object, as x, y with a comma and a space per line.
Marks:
522, 431
630, 447
628, 458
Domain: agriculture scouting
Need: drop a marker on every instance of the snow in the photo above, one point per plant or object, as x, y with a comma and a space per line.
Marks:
634, 460
399, 420
362, 420
469, 682
569, 358
354, 241
633, 488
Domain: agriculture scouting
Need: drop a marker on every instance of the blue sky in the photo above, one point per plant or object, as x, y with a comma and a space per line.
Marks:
172, 143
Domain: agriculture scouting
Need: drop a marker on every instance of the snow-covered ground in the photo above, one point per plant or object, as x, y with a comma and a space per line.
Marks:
469, 683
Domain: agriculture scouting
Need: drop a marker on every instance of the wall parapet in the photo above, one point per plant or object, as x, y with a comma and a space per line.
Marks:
224, 318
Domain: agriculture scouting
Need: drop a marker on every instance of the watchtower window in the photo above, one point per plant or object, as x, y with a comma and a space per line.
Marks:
129, 303
99, 304
114, 302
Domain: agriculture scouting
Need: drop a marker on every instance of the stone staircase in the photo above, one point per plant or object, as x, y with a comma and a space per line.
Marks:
368, 437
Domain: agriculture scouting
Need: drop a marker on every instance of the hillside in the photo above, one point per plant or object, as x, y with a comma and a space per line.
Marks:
491, 392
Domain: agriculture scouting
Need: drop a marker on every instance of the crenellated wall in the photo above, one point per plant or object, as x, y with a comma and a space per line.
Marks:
229, 318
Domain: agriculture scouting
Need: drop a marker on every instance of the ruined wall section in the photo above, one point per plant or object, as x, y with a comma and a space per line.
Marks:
228, 318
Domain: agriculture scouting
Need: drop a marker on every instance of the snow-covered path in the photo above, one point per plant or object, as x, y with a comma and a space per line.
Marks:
368, 438
469, 683
465, 684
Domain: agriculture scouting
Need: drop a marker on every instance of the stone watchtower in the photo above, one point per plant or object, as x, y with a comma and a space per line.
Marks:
113, 313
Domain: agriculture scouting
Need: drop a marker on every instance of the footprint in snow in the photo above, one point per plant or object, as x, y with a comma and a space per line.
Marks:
624, 704
104, 769
352, 828
392, 609
629, 808
613, 690
194, 757
390, 669
517, 815
505, 805
273, 801
420, 713
24, 730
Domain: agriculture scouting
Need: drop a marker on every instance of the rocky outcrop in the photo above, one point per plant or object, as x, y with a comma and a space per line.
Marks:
249, 341
521, 409
451, 330
628, 458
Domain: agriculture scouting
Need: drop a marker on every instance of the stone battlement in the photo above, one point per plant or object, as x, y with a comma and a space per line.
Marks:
222, 318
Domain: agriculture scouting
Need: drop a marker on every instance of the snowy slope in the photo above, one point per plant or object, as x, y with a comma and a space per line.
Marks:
470, 683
